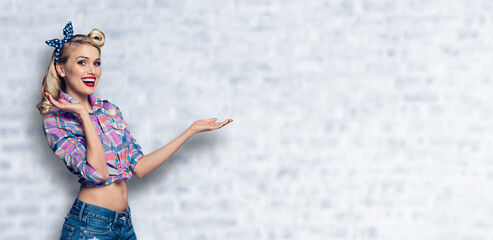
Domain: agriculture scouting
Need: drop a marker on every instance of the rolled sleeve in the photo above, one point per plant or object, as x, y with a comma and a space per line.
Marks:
70, 147
134, 150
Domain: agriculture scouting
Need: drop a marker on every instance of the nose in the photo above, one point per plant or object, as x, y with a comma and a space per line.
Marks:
92, 69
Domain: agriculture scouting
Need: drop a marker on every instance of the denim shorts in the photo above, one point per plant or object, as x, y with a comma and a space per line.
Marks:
90, 222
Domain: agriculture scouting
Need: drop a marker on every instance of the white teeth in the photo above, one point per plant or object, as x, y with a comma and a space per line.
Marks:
89, 80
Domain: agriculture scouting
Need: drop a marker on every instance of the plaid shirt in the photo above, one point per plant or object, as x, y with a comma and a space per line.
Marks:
65, 135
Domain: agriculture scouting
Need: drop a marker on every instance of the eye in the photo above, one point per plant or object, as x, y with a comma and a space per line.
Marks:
81, 62
97, 63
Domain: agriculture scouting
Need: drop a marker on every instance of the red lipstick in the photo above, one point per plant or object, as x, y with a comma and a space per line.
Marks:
89, 81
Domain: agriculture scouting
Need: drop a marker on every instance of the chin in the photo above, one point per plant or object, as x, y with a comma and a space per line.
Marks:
89, 91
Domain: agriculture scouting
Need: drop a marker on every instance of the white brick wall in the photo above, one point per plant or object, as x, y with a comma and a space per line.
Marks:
353, 119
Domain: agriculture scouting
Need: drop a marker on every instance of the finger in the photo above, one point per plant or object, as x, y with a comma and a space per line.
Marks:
211, 120
48, 96
60, 103
227, 121
52, 101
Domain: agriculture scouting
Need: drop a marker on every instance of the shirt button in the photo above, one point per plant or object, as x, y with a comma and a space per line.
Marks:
112, 112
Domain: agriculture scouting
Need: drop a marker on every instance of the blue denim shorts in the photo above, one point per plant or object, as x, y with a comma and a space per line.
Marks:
90, 222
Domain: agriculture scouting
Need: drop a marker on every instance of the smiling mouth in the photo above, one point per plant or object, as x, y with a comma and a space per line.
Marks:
89, 81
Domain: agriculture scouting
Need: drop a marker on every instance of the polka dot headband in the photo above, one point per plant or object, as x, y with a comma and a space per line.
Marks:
68, 32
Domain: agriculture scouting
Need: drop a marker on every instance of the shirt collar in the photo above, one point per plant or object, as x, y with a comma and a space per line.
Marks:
95, 101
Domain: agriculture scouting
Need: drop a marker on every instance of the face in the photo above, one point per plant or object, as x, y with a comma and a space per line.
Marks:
81, 71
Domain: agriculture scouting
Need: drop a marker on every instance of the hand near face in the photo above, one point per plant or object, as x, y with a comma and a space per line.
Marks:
208, 125
77, 108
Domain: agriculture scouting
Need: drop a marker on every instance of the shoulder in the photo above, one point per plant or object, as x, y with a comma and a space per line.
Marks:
56, 118
55, 114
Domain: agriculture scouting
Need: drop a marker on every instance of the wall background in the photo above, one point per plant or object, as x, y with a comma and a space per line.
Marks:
364, 119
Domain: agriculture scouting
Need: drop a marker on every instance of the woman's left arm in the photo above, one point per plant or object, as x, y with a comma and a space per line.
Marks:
153, 160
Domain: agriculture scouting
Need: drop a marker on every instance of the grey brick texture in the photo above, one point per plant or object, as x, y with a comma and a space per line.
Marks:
363, 119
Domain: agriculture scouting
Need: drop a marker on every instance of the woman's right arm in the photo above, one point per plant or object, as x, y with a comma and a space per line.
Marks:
95, 155
151, 161
95, 151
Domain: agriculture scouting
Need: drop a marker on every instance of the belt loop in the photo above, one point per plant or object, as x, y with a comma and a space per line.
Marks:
82, 210
115, 218
128, 215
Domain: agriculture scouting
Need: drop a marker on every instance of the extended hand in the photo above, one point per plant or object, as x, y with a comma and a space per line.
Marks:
77, 108
207, 125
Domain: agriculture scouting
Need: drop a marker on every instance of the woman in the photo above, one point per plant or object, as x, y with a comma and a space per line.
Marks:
91, 137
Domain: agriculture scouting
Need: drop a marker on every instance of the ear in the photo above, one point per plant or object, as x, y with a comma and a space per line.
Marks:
60, 69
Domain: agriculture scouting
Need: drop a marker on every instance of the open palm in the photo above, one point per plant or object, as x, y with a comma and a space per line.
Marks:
77, 108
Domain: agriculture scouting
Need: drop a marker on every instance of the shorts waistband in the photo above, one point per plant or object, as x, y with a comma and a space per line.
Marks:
81, 209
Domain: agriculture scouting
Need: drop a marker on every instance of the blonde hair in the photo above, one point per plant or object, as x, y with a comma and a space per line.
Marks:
53, 83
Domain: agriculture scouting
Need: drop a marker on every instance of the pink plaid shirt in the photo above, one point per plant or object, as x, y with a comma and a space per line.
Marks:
65, 136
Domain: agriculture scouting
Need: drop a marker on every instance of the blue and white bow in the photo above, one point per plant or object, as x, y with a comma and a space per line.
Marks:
68, 32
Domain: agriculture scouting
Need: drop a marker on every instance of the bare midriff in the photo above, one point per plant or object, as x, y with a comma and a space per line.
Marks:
113, 196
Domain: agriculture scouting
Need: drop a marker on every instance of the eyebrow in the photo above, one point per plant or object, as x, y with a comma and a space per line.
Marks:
97, 59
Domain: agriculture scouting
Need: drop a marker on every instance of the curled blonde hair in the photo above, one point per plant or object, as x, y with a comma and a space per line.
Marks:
53, 83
